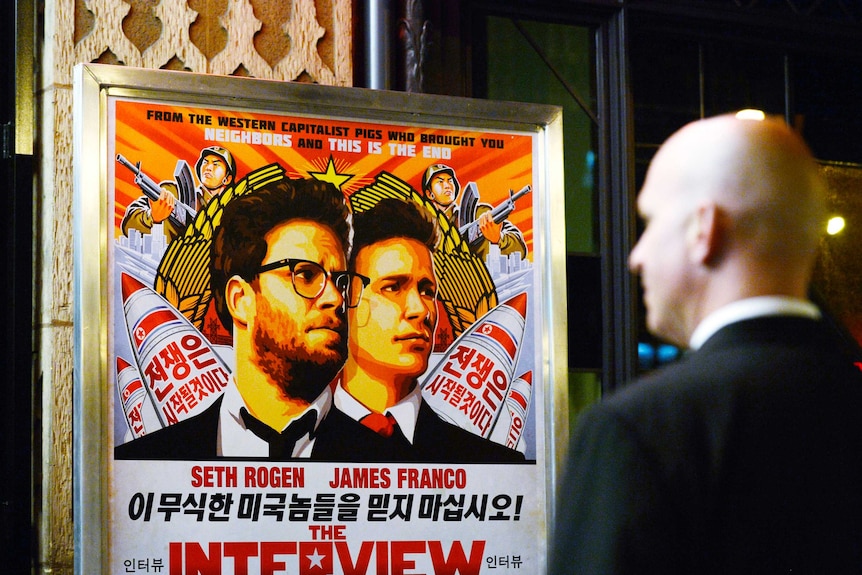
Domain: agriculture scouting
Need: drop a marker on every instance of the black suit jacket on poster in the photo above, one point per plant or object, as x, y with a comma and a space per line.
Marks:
743, 457
438, 441
338, 438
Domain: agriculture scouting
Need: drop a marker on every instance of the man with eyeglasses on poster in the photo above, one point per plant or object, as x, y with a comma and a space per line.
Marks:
279, 284
391, 338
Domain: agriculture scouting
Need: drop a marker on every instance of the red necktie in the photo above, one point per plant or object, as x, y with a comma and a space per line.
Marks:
379, 423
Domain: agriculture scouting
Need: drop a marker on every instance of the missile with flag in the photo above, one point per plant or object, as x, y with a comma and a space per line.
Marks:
181, 371
471, 383
510, 426
132, 396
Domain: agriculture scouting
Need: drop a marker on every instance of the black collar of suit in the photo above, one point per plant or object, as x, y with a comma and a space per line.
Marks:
786, 329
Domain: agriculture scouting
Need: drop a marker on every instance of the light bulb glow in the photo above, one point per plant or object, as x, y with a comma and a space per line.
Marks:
751, 115
835, 225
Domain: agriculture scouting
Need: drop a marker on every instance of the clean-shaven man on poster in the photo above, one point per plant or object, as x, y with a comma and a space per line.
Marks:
279, 284
391, 338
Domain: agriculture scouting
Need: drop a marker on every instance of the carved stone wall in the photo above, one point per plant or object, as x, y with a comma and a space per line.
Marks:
305, 40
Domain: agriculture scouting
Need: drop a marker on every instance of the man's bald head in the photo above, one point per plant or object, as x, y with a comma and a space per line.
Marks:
739, 207
760, 171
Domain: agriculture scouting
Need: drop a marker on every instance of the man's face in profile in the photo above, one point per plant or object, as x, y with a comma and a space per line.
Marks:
392, 328
661, 257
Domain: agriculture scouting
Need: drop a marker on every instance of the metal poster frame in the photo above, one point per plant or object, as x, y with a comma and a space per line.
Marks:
174, 515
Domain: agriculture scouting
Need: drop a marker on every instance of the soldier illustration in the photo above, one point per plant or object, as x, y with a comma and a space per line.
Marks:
480, 223
215, 170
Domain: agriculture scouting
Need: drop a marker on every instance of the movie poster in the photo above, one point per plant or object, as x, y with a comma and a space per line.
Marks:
176, 507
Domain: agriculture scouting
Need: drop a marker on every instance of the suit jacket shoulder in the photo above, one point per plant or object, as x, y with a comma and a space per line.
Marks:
742, 456
439, 441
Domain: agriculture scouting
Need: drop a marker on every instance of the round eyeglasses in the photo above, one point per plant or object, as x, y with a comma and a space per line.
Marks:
309, 279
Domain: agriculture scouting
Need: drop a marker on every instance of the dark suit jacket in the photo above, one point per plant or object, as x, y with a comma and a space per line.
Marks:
338, 438
743, 457
439, 441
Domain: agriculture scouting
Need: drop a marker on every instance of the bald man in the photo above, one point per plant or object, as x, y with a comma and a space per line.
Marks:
746, 455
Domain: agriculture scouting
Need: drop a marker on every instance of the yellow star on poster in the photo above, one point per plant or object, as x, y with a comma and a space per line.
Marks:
331, 175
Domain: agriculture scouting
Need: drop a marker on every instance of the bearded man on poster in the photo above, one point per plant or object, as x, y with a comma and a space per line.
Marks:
279, 284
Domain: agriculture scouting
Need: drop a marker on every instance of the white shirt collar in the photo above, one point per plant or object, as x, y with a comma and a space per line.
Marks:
235, 440
405, 411
750, 308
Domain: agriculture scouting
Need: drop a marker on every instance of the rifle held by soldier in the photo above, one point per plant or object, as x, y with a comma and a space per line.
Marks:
470, 230
153, 191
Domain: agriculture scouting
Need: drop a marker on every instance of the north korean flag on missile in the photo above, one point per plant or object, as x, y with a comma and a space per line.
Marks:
470, 384
182, 372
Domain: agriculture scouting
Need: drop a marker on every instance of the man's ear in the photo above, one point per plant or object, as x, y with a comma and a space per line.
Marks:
239, 298
705, 234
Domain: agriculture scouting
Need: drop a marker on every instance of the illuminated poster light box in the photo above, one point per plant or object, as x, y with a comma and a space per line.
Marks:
190, 357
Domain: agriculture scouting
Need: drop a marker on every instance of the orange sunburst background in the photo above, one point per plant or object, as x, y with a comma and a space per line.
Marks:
157, 135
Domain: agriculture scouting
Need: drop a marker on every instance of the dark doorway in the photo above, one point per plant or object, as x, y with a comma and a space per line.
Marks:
16, 292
